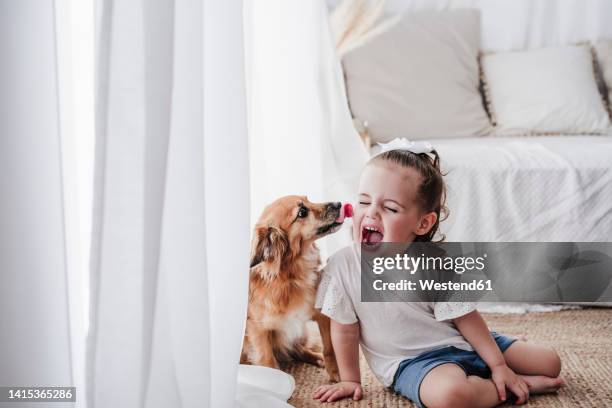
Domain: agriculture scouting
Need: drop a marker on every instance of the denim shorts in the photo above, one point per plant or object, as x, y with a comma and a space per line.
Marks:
411, 372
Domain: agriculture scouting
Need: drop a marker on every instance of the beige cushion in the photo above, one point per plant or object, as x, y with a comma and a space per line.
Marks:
544, 91
603, 50
417, 77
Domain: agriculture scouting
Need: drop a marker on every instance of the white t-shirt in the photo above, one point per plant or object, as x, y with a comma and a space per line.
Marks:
390, 331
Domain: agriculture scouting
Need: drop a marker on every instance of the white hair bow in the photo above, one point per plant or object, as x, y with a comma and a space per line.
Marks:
405, 144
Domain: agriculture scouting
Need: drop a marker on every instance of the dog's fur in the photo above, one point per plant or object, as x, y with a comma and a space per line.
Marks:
283, 282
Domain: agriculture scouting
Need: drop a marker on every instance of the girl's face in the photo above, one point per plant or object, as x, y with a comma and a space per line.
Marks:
388, 210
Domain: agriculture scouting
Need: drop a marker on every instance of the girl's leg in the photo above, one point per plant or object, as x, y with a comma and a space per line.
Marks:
532, 359
447, 385
538, 365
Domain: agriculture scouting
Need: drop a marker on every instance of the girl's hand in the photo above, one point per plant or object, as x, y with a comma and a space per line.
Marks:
504, 377
333, 392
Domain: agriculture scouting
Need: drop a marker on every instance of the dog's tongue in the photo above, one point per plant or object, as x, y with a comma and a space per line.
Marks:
348, 210
345, 212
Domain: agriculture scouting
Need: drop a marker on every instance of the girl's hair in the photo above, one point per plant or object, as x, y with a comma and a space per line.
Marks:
431, 194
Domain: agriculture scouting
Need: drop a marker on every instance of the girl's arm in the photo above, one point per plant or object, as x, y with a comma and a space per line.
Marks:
473, 327
345, 339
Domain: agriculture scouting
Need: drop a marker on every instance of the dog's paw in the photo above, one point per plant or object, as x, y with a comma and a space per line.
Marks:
334, 375
331, 366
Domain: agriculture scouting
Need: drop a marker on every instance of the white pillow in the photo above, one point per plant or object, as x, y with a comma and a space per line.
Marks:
416, 76
549, 90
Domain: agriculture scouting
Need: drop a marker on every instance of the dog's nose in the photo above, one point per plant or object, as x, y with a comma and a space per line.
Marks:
335, 206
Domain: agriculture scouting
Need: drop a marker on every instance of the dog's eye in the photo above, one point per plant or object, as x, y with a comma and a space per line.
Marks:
302, 212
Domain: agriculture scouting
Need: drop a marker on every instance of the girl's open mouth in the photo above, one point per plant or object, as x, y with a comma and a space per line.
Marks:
371, 235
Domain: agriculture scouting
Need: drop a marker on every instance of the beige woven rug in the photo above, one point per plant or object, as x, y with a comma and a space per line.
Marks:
583, 338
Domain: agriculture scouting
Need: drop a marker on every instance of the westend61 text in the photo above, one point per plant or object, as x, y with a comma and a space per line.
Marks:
429, 284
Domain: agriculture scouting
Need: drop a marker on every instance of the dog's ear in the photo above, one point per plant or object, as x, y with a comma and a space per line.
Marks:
269, 244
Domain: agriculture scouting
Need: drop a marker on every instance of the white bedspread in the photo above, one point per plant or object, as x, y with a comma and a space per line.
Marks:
549, 188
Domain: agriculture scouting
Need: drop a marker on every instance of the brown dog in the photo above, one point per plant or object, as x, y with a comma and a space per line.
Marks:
283, 282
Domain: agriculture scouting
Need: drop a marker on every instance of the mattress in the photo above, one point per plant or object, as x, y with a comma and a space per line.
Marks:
548, 188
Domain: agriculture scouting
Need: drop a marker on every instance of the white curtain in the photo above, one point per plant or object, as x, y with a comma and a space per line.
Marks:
302, 140
40, 323
170, 251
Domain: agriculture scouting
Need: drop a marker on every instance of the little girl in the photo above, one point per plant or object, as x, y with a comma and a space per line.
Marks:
436, 354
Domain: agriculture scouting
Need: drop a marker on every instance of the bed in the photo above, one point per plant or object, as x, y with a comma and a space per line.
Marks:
548, 188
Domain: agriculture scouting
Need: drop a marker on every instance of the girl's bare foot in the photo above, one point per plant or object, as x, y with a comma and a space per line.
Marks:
540, 384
